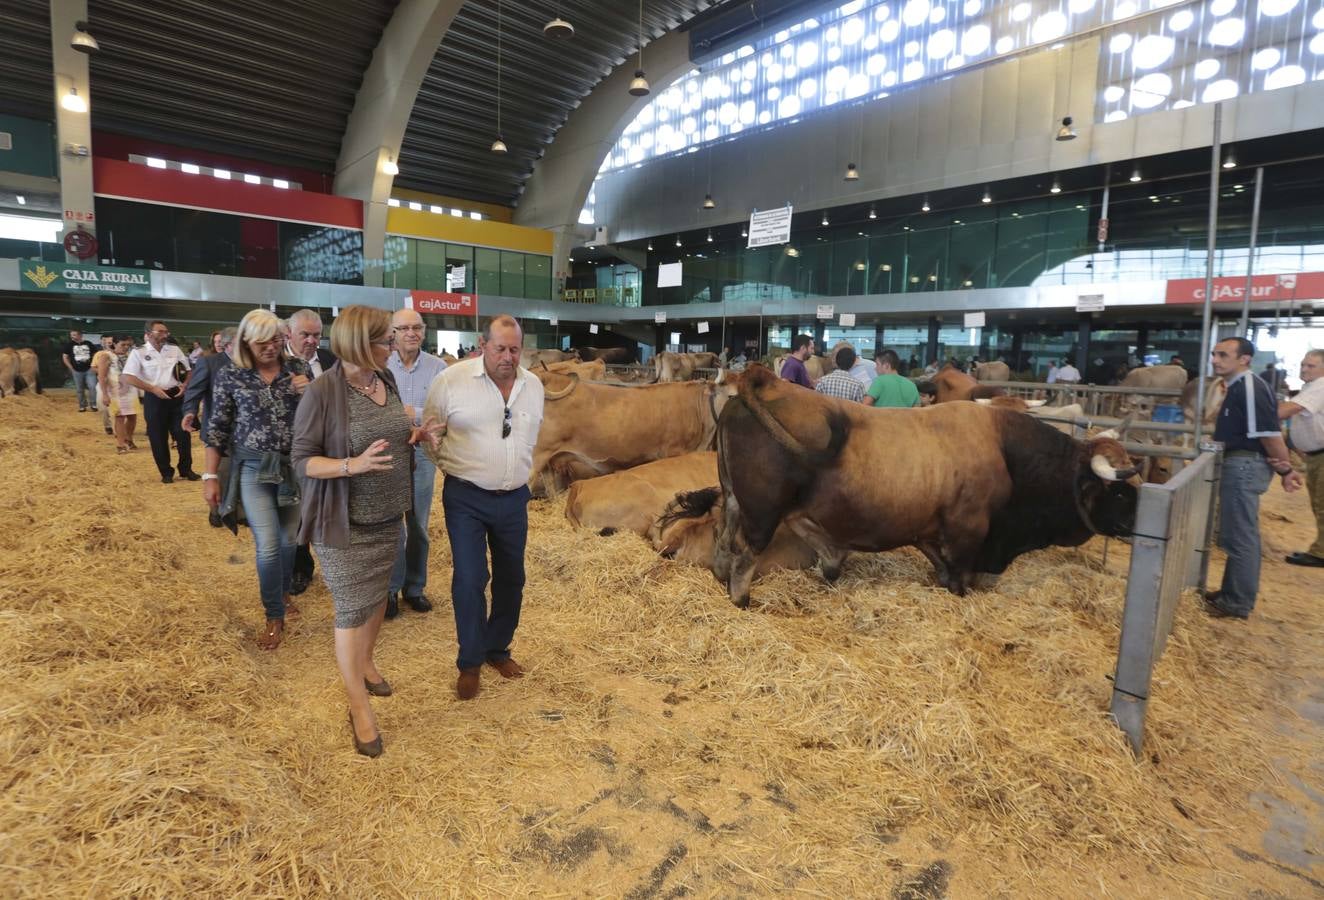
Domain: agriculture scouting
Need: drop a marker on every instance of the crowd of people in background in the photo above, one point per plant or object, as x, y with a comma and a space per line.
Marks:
335, 453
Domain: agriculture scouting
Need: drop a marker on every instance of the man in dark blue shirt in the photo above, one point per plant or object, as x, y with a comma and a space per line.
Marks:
1253, 449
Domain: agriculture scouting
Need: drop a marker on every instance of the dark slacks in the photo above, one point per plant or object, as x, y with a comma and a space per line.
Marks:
164, 421
478, 521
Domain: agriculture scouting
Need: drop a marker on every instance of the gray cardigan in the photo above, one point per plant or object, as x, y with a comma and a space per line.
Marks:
321, 428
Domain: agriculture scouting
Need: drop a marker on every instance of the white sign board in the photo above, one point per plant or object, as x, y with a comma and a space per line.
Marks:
455, 279
703, 328
974, 320
669, 275
660, 318
675, 337
826, 311
1089, 303
335, 311
847, 320
592, 329
554, 321
770, 227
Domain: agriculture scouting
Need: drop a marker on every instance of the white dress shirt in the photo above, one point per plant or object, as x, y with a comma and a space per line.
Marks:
155, 367
1307, 427
471, 406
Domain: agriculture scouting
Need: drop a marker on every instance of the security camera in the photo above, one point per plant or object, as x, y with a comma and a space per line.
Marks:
82, 41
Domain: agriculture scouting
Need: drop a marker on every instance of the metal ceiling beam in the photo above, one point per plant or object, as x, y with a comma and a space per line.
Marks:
376, 127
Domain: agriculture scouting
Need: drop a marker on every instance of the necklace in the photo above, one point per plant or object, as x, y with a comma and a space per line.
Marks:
366, 390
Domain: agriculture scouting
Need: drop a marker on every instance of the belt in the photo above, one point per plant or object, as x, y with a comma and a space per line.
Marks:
1242, 453
1313, 452
470, 484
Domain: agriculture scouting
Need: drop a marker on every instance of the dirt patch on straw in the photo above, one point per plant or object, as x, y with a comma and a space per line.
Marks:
876, 738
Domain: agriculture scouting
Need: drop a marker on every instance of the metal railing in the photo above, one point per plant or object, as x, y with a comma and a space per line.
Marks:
1169, 553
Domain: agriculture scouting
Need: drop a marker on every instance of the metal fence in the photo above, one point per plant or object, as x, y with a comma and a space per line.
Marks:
1169, 553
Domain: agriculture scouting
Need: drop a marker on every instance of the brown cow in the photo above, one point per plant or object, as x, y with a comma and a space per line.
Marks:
971, 487
953, 384
529, 359
587, 371
632, 499
992, 371
29, 371
1215, 390
686, 531
612, 356
591, 429
668, 366
8, 370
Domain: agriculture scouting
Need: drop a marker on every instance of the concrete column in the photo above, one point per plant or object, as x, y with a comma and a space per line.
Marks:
931, 349
73, 130
376, 126
1083, 345
878, 335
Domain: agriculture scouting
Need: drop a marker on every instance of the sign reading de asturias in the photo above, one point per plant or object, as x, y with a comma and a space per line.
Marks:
76, 278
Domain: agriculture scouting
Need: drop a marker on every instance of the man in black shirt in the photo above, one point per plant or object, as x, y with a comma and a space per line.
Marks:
1253, 449
77, 355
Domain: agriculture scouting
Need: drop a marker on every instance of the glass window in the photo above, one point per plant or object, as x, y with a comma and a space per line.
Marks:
538, 278
430, 263
487, 275
512, 274
322, 254
400, 267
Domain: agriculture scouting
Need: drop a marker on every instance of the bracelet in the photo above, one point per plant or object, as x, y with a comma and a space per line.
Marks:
344, 468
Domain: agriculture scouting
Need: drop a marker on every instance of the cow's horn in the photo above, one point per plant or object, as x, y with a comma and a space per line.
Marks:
543, 363
983, 401
564, 392
1035, 404
1104, 469
1110, 433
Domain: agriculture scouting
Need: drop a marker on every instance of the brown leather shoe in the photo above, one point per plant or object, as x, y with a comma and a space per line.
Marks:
466, 686
507, 667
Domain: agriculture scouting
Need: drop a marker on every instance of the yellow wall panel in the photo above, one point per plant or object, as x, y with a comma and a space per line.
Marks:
484, 233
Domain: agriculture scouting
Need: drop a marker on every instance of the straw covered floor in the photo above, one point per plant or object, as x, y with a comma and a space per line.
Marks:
877, 738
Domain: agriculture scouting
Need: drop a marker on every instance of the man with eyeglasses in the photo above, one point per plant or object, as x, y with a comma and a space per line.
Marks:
1253, 449
414, 369
304, 341
1305, 426
161, 370
491, 410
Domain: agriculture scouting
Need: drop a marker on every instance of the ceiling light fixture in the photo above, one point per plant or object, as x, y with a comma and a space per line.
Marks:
1135, 175
389, 167
650, 246
1066, 132
81, 41
499, 145
710, 236
708, 202
987, 198
825, 219
1229, 161
873, 213
22, 201
639, 84
677, 240
925, 207
852, 173
744, 231
558, 27
1056, 188
72, 102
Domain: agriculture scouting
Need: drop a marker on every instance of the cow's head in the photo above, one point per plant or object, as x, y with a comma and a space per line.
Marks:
685, 531
1106, 487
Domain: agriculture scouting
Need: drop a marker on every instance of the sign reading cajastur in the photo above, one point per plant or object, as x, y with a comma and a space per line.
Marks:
68, 278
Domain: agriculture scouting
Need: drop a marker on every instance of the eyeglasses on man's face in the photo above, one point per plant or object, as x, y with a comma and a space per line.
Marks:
418, 329
505, 426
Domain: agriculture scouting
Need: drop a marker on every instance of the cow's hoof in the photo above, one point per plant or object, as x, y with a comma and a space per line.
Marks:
742, 602
830, 575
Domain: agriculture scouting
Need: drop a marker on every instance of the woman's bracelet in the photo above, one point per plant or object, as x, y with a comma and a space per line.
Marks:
344, 467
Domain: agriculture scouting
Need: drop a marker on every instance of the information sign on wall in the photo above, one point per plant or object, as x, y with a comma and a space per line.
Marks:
54, 278
826, 311
1089, 303
769, 227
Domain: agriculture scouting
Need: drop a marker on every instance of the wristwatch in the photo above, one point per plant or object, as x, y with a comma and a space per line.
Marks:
210, 476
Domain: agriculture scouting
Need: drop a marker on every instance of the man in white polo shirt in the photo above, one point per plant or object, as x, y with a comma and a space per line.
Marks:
1305, 430
491, 409
161, 370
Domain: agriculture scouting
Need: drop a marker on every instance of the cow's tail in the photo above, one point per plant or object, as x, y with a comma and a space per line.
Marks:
687, 505
789, 442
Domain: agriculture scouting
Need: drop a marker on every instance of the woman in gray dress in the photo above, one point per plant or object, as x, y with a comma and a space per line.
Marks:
352, 438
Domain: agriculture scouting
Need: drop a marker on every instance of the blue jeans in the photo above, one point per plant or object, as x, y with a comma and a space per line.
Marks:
477, 520
274, 528
1244, 479
411, 564
86, 383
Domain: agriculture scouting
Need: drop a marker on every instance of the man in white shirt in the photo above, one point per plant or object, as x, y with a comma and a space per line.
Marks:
414, 369
1068, 374
161, 371
491, 409
1305, 430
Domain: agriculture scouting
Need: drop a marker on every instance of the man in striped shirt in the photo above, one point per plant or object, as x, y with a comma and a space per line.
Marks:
1253, 450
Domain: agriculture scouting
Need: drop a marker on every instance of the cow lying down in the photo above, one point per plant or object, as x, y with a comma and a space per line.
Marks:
972, 487
687, 532
631, 500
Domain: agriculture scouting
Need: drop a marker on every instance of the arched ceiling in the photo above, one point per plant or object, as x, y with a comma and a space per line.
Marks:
276, 81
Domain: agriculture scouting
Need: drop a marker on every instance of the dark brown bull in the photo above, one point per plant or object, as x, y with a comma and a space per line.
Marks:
972, 487
953, 384
612, 356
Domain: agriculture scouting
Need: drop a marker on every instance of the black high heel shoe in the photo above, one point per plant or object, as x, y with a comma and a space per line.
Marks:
372, 748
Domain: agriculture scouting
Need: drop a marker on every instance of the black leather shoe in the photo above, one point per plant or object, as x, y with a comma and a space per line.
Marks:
190, 475
168, 478
419, 603
1214, 607
110, 431
392, 605
1305, 559
298, 583
214, 519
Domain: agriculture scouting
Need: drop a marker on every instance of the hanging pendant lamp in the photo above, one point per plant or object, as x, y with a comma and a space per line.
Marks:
558, 27
499, 145
639, 84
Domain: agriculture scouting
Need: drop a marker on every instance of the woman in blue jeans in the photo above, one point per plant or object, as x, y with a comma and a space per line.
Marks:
251, 420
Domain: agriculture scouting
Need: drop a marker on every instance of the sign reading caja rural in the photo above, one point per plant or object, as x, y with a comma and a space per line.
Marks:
71, 278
